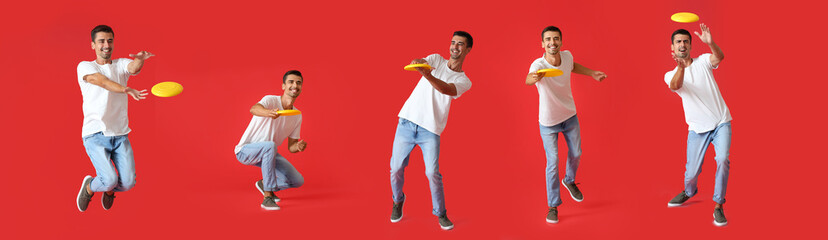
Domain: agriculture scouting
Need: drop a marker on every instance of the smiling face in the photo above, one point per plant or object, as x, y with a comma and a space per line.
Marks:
681, 45
102, 44
459, 47
551, 42
292, 85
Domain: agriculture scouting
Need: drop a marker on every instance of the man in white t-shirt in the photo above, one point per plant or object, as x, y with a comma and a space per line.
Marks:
557, 115
705, 112
423, 117
103, 84
266, 131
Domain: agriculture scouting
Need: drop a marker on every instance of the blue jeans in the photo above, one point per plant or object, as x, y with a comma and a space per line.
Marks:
696, 147
572, 133
109, 154
410, 134
277, 173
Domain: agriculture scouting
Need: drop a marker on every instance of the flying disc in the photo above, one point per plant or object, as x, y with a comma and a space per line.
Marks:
413, 67
167, 89
685, 17
288, 112
551, 72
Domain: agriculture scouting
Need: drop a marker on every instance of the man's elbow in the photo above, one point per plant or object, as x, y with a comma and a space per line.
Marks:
675, 87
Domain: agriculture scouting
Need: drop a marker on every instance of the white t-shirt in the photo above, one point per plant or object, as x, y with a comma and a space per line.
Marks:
426, 106
103, 110
555, 93
704, 107
276, 130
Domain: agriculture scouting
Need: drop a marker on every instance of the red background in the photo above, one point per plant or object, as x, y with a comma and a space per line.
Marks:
228, 55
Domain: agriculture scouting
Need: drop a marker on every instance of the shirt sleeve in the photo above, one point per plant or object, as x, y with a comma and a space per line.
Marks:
433, 59
269, 102
124, 66
462, 85
705, 59
85, 68
295, 133
535, 67
668, 77
570, 65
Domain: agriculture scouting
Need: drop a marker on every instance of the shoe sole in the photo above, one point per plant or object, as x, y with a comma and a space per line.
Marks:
551, 221
570, 192
270, 208
82, 188
262, 191
396, 220
674, 204
718, 224
447, 228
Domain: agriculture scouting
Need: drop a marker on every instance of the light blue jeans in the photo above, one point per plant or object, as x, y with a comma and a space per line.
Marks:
410, 134
697, 144
277, 173
571, 130
109, 154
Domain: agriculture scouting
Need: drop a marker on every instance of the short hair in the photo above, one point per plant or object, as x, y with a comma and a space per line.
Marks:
291, 72
465, 35
551, 29
683, 32
102, 28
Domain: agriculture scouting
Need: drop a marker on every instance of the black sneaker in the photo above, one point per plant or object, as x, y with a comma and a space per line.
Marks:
445, 223
573, 191
107, 200
678, 200
396, 211
260, 186
83, 196
719, 218
552, 215
269, 204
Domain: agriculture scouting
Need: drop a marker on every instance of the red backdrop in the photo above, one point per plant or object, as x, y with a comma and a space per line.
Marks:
228, 55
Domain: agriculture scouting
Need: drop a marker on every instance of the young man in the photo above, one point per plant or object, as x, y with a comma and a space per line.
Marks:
266, 131
557, 115
103, 84
423, 117
705, 112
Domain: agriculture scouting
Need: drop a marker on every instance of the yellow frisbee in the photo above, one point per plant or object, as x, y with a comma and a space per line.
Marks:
413, 67
685, 17
167, 89
288, 112
551, 72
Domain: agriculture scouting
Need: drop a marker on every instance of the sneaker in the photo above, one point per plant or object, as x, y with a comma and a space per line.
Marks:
270, 204
552, 216
678, 200
260, 186
573, 191
719, 218
107, 200
83, 196
445, 223
396, 211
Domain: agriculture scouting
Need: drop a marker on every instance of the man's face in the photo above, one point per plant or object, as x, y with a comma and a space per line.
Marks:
103, 44
552, 42
292, 85
459, 47
681, 45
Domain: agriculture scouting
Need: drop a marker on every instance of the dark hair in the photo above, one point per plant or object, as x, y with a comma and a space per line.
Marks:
465, 35
291, 72
102, 28
683, 32
551, 29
